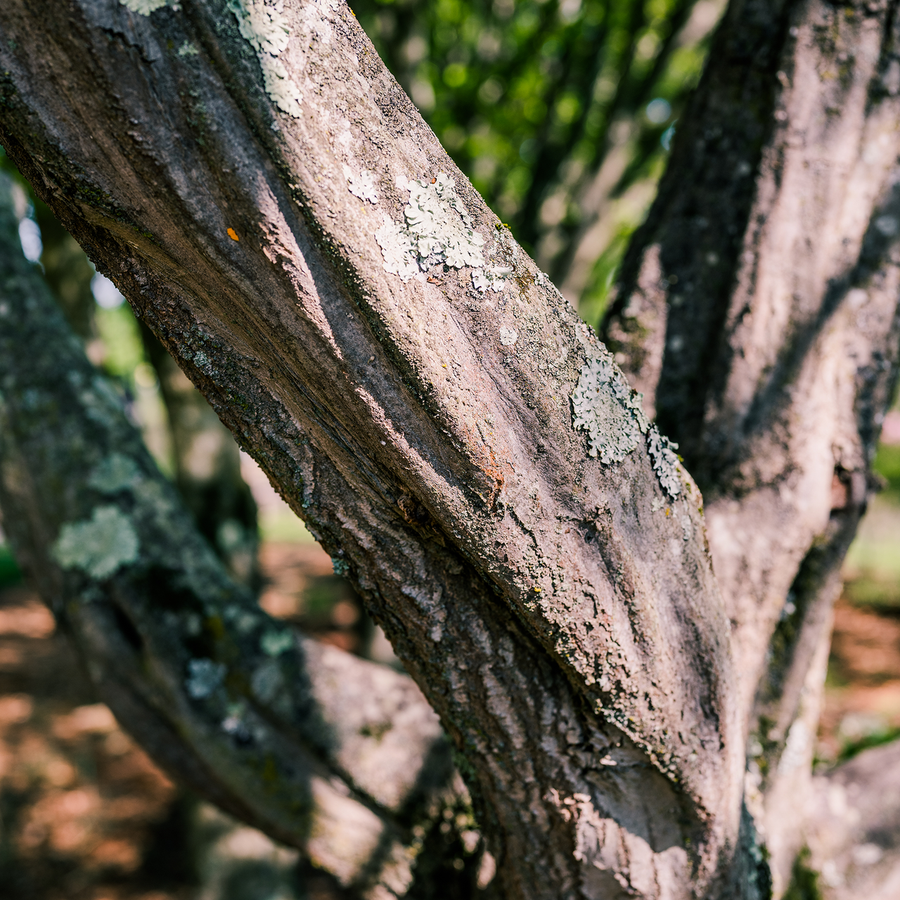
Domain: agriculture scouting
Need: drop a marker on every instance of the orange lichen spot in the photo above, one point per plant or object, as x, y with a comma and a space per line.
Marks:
233, 234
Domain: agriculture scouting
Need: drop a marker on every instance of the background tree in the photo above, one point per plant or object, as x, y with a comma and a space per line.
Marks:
461, 444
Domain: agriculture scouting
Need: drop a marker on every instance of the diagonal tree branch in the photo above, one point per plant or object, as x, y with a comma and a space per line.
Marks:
558, 610
329, 753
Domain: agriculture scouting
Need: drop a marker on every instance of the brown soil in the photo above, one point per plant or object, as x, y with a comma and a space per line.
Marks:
83, 811
85, 815
862, 696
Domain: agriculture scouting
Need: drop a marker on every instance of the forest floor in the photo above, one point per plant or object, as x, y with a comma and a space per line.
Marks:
85, 815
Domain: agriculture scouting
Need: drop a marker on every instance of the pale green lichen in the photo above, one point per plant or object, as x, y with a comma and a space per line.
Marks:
204, 677
267, 681
665, 461
397, 250
263, 24
144, 7
608, 410
98, 546
275, 642
493, 278
437, 230
508, 336
115, 473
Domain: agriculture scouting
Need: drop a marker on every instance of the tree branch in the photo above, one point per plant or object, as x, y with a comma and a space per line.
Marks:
558, 611
334, 755
763, 295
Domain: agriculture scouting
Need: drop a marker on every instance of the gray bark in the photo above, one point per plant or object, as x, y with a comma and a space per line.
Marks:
558, 609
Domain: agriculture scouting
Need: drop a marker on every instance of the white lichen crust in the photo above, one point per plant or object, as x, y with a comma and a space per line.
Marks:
204, 677
144, 7
362, 184
665, 461
493, 278
437, 230
263, 24
397, 250
98, 546
606, 408
508, 336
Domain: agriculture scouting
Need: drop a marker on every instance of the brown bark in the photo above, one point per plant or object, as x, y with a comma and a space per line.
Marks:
518, 578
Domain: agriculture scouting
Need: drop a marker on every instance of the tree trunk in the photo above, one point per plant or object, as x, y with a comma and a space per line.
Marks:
759, 313
463, 446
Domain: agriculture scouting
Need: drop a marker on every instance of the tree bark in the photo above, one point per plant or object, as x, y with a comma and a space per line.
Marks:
332, 754
758, 311
279, 215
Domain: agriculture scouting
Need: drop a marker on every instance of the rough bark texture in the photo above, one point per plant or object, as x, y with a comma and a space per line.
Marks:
252, 197
558, 612
340, 757
759, 312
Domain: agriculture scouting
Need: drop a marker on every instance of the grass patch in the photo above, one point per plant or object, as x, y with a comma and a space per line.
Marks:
877, 593
280, 525
887, 465
804, 880
876, 739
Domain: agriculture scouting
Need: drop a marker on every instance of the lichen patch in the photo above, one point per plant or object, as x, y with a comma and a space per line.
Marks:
437, 230
665, 461
608, 410
397, 250
508, 336
98, 546
204, 677
115, 473
362, 184
263, 24
492, 278
275, 642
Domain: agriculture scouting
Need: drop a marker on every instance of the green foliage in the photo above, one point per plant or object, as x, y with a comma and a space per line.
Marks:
887, 464
804, 880
123, 352
539, 101
875, 739
9, 571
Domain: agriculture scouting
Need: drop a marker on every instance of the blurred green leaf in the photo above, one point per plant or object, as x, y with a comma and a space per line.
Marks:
530, 99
